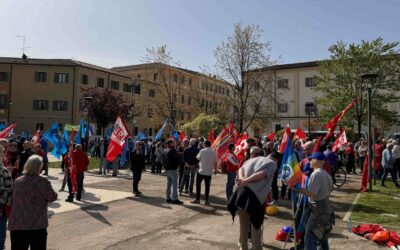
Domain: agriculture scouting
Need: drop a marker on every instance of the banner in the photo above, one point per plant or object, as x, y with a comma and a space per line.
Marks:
117, 140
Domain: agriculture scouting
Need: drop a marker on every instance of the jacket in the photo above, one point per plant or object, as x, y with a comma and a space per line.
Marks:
5, 185
172, 159
80, 160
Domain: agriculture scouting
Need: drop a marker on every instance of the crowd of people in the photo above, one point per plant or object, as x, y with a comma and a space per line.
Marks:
25, 191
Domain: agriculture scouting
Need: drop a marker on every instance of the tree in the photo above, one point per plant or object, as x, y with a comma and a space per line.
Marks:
202, 124
244, 52
340, 81
105, 106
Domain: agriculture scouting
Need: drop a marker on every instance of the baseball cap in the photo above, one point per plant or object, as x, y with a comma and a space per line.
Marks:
318, 155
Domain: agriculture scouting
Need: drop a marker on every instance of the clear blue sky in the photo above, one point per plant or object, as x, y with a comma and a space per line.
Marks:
117, 32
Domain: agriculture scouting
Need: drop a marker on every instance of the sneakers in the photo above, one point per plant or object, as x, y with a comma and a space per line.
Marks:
207, 203
196, 202
177, 202
69, 200
273, 202
138, 194
169, 200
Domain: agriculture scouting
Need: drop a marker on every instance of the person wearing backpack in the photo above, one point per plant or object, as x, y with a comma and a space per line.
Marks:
232, 164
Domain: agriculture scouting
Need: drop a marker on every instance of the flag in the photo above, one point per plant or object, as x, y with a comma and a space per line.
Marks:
123, 159
317, 145
271, 136
285, 139
182, 135
109, 133
51, 135
331, 125
232, 130
222, 142
2, 126
341, 140
300, 134
25, 135
161, 131
176, 135
7, 131
172, 130
290, 169
81, 130
241, 148
211, 136
117, 140
64, 142
35, 137
141, 136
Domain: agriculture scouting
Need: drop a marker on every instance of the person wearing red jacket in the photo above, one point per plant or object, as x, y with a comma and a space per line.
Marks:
232, 165
79, 163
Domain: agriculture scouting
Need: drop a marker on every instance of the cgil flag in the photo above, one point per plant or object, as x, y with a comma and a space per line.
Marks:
241, 148
211, 136
35, 137
117, 140
222, 142
290, 169
341, 140
7, 131
300, 134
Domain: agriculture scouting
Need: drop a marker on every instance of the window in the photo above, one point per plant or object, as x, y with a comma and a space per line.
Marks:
190, 81
150, 131
3, 76
256, 86
100, 82
219, 90
60, 105
139, 76
127, 87
3, 101
174, 97
189, 115
85, 79
283, 83
202, 102
210, 104
150, 113
227, 92
182, 79
152, 92
211, 87
310, 82
175, 78
40, 126
40, 76
182, 99
114, 85
61, 77
40, 105
310, 108
137, 89
282, 107
155, 77
256, 108
223, 91
182, 115
189, 100
202, 86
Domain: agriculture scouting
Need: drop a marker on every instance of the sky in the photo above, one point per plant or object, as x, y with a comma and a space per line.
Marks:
113, 33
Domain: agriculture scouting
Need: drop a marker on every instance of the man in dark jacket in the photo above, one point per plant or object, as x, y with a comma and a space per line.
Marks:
25, 155
138, 160
172, 173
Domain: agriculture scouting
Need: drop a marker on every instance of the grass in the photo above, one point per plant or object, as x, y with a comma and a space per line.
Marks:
382, 206
93, 164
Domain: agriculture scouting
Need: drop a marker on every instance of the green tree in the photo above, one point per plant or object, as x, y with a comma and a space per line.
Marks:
202, 124
340, 81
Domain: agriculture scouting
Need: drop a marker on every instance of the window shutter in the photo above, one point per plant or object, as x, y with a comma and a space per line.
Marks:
34, 104
66, 77
65, 104
56, 77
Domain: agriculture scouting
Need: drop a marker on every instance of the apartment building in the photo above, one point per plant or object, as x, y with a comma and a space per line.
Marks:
36, 92
166, 88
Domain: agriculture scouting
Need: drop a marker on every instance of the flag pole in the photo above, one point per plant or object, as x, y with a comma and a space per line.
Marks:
294, 218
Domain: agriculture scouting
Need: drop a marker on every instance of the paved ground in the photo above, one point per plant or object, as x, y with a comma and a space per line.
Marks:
109, 217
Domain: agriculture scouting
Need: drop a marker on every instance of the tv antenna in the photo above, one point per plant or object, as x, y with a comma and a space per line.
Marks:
23, 45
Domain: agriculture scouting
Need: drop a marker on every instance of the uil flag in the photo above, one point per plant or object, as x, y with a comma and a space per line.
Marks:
35, 137
331, 125
290, 168
211, 136
300, 134
241, 148
341, 140
6, 131
117, 140
285, 138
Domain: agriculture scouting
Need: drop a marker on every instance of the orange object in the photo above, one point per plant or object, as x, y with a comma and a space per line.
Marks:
381, 236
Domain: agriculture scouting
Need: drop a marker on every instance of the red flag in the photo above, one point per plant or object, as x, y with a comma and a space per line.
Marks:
331, 125
35, 137
6, 131
316, 148
300, 134
182, 135
222, 142
365, 175
241, 148
285, 138
271, 136
341, 140
232, 130
211, 136
117, 140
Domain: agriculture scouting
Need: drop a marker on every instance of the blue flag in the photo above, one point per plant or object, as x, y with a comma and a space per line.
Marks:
78, 136
2, 126
109, 133
176, 135
123, 159
25, 135
160, 132
51, 135
64, 142
141, 136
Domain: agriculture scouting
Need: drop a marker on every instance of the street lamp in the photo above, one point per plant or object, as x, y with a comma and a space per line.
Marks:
309, 108
88, 99
370, 79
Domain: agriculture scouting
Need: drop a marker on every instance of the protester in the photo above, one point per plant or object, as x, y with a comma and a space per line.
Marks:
191, 164
254, 183
159, 152
5, 198
28, 219
26, 153
37, 149
180, 149
396, 156
232, 165
138, 162
298, 148
79, 162
207, 165
388, 165
350, 155
321, 217
171, 170
377, 163
331, 158
101, 153
362, 153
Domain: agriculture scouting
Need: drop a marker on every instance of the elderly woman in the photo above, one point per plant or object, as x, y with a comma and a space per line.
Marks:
28, 219
5, 197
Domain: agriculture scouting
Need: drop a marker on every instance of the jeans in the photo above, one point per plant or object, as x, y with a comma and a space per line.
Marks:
230, 182
3, 226
256, 234
22, 239
188, 180
361, 162
393, 174
172, 180
207, 181
311, 242
102, 165
80, 178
